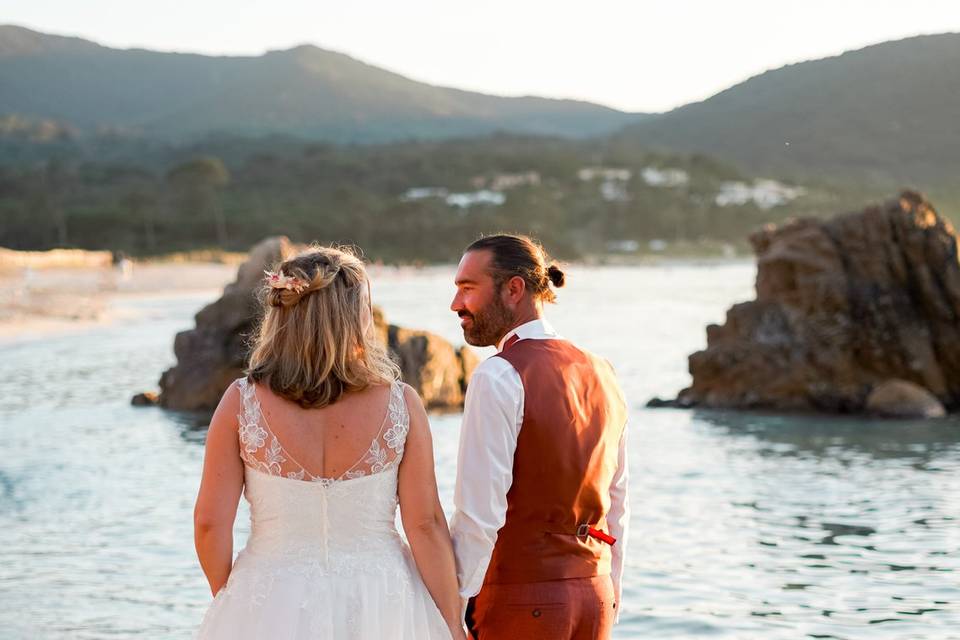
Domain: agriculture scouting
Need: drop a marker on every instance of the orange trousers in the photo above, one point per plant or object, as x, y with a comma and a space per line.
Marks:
573, 609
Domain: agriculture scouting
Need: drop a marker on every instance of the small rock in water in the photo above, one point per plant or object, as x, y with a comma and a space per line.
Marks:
145, 399
660, 403
903, 399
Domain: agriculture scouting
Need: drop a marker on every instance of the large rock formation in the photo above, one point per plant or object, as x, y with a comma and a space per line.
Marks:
214, 354
843, 306
428, 363
431, 365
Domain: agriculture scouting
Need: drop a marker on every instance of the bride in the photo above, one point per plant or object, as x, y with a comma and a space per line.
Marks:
324, 442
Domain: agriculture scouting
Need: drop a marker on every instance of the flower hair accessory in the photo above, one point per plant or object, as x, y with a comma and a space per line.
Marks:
277, 280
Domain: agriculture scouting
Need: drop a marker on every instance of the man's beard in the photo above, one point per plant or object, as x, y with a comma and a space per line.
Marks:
488, 325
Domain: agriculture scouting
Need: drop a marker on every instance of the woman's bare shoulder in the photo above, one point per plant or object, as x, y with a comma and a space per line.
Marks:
412, 398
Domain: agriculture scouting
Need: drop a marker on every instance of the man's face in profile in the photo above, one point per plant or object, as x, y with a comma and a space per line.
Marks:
484, 317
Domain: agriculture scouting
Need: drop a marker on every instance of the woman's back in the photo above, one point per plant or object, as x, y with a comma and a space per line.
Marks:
324, 558
361, 434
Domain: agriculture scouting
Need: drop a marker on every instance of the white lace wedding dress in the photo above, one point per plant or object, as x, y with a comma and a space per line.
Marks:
324, 558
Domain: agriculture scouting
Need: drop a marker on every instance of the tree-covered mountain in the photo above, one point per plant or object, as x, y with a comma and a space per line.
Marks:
149, 152
885, 113
404, 202
305, 91
890, 111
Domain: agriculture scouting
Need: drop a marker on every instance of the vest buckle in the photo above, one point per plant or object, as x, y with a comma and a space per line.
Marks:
583, 532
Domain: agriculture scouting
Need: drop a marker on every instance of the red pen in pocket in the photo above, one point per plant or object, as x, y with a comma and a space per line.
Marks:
600, 535
585, 530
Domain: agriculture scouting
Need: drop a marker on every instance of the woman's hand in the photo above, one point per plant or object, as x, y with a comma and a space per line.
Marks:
423, 518
459, 632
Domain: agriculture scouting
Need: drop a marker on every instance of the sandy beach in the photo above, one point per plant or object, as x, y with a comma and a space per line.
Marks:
35, 303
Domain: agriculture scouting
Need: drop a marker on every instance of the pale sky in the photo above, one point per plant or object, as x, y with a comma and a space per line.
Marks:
643, 55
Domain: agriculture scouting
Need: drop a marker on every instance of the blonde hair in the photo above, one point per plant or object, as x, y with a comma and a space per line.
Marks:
316, 344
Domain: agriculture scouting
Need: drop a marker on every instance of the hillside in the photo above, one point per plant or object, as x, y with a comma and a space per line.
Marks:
887, 112
305, 91
403, 202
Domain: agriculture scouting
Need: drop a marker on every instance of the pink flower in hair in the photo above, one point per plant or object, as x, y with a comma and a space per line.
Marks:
278, 280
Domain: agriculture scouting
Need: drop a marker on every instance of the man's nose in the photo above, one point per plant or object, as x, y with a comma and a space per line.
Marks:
455, 304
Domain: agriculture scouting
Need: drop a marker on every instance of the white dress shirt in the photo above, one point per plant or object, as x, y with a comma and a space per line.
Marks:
492, 417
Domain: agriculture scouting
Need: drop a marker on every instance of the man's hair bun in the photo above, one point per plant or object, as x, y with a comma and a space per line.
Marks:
520, 256
556, 275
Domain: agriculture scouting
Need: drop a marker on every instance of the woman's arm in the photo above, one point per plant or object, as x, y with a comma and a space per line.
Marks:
423, 518
220, 489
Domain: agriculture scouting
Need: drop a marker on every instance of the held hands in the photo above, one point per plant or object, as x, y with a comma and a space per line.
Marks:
459, 632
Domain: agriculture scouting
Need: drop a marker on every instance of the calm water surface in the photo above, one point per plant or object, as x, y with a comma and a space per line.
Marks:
743, 526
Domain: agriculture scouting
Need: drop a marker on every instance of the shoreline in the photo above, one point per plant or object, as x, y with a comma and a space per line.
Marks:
41, 303
37, 303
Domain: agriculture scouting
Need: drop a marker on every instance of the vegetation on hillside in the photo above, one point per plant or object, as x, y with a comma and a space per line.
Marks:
580, 198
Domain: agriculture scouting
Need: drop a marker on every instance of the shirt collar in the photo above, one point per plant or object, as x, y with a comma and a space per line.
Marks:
536, 329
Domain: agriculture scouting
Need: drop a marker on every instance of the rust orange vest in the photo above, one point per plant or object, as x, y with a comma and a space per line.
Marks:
567, 454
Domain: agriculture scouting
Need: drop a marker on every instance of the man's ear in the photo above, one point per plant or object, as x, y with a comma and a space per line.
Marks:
515, 288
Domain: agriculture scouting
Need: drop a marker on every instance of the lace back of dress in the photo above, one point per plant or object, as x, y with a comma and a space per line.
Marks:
261, 450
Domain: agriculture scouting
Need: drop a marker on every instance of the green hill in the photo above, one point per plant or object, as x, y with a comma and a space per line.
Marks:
305, 91
150, 152
888, 112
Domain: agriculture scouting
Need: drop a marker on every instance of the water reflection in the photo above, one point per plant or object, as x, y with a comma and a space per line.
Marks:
921, 441
192, 426
795, 526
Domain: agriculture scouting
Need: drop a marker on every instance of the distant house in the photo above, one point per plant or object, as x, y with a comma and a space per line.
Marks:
614, 191
506, 181
623, 246
469, 199
655, 177
613, 181
421, 193
589, 174
765, 194
461, 200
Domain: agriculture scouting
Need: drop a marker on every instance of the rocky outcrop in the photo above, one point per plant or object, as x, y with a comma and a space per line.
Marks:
428, 363
902, 399
842, 306
432, 366
212, 355
145, 399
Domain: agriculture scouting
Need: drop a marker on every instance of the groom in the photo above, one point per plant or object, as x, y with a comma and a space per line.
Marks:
541, 496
